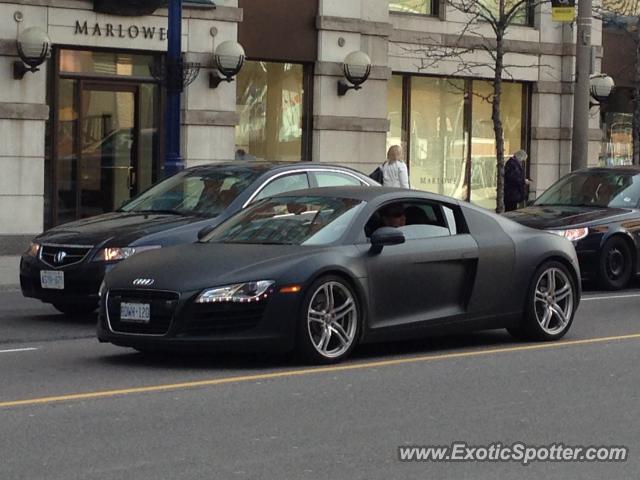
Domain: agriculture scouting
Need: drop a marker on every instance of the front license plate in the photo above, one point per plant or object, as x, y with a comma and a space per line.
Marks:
53, 280
135, 312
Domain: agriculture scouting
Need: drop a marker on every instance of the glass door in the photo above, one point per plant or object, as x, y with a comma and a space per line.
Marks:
104, 132
107, 160
106, 146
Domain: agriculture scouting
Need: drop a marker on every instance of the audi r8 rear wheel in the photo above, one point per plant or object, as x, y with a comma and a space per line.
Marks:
614, 265
551, 304
330, 323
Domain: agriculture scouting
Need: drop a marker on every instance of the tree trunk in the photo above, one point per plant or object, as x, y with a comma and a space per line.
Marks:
636, 97
497, 120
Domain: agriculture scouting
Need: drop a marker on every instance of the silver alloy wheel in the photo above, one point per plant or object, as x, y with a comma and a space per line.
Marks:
553, 301
332, 319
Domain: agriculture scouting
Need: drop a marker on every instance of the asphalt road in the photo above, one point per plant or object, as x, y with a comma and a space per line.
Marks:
72, 408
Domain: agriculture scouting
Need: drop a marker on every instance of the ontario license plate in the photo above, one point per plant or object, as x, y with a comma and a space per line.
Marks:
135, 312
53, 280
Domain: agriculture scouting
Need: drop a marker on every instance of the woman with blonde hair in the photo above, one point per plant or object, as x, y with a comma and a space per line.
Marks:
394, 170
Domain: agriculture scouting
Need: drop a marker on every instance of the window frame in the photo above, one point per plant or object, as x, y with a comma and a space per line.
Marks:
308, 84
438, 206
270, 180
529, 16
435, 10
315, 172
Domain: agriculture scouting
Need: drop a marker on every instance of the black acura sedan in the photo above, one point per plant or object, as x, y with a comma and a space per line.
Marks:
598, 209
65, 265
325, 269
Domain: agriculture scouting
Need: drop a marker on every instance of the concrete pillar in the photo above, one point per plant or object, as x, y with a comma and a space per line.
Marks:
352, 129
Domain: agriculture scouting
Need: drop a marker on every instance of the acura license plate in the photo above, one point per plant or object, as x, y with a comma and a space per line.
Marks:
135, 312
53, 280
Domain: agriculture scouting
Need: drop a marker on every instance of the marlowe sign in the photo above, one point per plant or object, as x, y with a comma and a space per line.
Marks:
120, 31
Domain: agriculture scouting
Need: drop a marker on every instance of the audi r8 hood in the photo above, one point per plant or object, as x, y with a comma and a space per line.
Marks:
117, 228
557, 216
202, 265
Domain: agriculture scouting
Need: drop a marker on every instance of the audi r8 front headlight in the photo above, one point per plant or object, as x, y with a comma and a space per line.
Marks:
113, 254
238, 293
573, 234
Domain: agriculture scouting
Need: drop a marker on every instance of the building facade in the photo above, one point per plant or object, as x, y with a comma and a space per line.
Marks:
85, 133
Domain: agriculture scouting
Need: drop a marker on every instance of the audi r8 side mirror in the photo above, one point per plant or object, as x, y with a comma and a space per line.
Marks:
205, 231
384, 237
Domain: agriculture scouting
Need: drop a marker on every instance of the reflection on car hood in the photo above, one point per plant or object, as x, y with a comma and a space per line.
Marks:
121, 228
557, 216
201, 265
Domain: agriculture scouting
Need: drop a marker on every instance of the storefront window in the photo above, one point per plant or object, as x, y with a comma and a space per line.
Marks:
521, 17
450, 140
269, 100
436, 157
483, 144
618, 147
420, 7
617, 123
105, 63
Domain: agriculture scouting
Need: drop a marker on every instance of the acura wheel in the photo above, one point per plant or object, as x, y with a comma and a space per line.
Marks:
614, 266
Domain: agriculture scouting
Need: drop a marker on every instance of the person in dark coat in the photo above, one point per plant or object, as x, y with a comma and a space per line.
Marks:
515, 181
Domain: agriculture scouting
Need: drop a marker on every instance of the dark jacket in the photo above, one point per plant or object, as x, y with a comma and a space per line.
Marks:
514, 181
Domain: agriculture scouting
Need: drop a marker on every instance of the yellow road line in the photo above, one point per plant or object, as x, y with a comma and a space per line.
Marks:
310, 371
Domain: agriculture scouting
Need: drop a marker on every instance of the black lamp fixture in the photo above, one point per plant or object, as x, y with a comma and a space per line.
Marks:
356, 69
600, 85
228, 58
34, 46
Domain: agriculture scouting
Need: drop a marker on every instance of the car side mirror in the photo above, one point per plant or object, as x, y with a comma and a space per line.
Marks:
205, 231
384, 237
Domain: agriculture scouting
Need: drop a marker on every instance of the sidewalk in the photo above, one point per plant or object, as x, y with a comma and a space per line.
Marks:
9, 273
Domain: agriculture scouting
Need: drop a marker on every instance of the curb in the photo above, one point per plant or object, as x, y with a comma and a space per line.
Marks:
9, 288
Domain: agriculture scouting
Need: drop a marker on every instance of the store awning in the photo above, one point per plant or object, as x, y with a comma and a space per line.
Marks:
142, 7
200, 3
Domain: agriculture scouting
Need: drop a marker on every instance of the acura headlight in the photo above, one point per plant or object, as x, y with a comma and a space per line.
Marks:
238, 293
113, 254
573, 234
34, 249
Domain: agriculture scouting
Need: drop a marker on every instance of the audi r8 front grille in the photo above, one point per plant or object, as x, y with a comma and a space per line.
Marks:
220, 318
161, 305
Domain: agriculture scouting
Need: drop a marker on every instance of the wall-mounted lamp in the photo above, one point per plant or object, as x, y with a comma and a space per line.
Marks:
228, 58
34, 46
356, 68
600, 85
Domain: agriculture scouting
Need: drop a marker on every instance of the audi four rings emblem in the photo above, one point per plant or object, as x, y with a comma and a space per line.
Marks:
143, 282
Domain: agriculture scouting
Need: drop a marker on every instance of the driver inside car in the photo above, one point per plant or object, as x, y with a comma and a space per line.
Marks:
393, 215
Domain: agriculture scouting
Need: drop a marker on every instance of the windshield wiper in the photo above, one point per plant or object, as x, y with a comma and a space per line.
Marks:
161, 211
589, 205
257, 243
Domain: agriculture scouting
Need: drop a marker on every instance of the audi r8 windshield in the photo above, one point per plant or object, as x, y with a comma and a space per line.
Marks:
289, 221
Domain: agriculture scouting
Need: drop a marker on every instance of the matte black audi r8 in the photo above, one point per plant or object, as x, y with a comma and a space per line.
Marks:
325, 269
65, 265
598, 209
